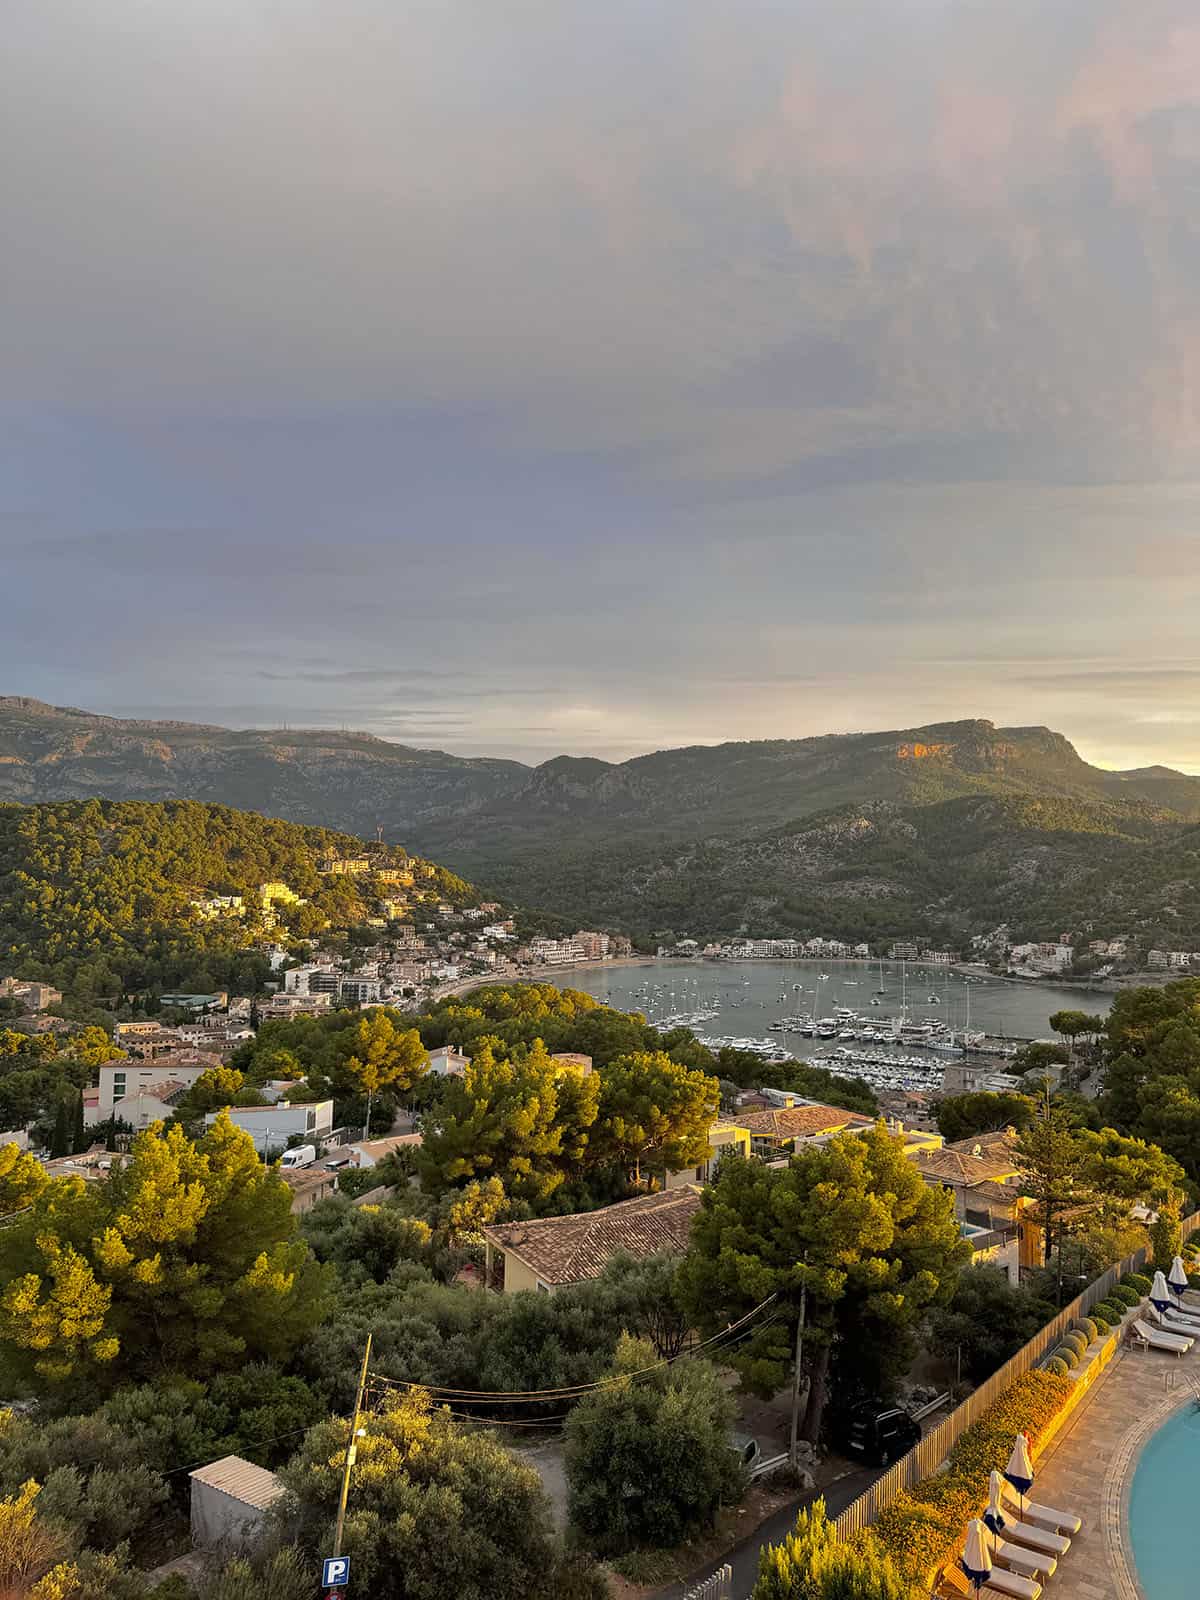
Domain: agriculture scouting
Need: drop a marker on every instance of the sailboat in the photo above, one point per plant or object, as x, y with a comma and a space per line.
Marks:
881, 989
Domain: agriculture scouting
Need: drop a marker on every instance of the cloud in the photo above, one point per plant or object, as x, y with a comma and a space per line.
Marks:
686, 371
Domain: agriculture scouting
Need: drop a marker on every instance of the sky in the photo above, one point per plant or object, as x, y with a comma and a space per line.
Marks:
524, 376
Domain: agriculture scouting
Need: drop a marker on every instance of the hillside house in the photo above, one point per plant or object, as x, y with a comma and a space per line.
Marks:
550, 1253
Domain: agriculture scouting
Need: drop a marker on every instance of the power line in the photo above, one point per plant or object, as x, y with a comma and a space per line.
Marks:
572, 1391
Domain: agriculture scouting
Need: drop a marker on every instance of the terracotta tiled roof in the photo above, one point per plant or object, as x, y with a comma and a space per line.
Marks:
795, 1122
990, 1156
573, 1249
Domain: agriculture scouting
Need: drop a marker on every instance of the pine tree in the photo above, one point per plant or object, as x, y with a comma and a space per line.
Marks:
80, 1136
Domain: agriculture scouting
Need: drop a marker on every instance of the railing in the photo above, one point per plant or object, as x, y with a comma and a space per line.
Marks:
926, 1457
718, 1587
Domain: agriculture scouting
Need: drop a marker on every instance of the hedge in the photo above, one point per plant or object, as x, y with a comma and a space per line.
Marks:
1110, 1311
924, 1526
1087, 1327
1138, 1281
1069, 1354
1124, 1294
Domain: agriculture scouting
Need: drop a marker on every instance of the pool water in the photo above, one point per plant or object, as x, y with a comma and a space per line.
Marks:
1162, 1509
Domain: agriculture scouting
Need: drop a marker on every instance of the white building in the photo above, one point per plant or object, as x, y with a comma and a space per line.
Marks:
310, 980
360, 991
272, 1126
447, 1062
126, 1090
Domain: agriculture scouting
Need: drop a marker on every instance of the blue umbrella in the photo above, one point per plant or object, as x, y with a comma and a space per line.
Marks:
1177, 1282
1019, 1470
1160, 1295
976, 1562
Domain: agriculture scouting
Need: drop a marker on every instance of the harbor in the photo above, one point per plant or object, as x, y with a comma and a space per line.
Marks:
895, 1025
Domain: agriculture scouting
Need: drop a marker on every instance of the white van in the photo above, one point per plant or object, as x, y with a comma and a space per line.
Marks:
302, 1156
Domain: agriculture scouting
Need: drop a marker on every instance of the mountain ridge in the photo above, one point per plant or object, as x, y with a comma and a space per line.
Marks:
586, 837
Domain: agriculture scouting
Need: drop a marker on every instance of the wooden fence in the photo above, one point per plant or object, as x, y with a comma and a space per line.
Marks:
933, 1449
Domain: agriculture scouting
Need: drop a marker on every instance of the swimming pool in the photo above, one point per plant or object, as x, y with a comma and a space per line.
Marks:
1162, 1509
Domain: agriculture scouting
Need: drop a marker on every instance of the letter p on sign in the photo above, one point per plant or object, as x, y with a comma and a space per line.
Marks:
335, 1573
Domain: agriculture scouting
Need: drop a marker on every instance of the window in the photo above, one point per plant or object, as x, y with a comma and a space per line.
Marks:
118, 1085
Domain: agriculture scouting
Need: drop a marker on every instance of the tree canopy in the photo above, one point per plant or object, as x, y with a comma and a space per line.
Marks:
855, 1226
649, 1458
184, 1259
435, 1511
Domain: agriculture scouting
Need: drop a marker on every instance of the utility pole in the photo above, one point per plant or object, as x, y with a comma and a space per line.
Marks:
796, 1374
351, 1451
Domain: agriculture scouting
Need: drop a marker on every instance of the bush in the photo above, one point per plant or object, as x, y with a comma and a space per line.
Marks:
1125, 1295
649, 1463
1076, 1342
922, 1528
812, 1561
1101, 1324
1112, 1311
1137, 1281
1069, 1354
1087, 1327
1057, 1366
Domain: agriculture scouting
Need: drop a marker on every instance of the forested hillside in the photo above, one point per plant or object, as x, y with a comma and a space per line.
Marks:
957, 825
96, 895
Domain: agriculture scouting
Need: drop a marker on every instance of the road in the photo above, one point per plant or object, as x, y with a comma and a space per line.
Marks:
743, 1558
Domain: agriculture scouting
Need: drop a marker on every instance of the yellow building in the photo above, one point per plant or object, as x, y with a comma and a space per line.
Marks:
723, 1137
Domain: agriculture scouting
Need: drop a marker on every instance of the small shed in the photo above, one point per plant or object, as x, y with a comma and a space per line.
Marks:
230, 1499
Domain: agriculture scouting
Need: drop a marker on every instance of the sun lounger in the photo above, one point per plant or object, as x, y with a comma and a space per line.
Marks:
1047, 1516
1028, 1533
1177, 1322
1178, 1344
1020, 1559
955, 1585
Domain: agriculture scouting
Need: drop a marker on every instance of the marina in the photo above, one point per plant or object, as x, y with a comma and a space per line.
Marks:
893, 1024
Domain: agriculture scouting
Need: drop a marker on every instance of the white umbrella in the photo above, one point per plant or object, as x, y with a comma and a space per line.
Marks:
1019, 1470
994, 1515
1177, 1282
1160, 1295
976, 1561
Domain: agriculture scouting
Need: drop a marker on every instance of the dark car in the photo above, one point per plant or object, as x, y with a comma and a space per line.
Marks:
879, 1434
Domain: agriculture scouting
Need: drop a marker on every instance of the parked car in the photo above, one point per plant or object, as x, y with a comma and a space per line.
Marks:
879, 1434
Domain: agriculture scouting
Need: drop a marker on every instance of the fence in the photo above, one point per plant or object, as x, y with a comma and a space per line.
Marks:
718, 1587
933, 1449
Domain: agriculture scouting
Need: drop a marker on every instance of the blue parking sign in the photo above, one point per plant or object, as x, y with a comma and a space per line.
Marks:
335, 1574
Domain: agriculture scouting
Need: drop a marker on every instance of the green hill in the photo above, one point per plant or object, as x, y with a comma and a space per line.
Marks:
97, 895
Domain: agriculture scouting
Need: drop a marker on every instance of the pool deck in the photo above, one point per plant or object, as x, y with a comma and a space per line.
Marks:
1088, 1469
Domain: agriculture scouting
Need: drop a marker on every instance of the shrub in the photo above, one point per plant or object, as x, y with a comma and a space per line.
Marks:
812, 1561
1069, 1354
1126, 1296
1101, 1325
1137, 1281
1111, 1310
1076, 1342
922, 1527
1087, 1327
1057, 1366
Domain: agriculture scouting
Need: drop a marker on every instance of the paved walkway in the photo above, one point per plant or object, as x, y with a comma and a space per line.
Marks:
1088, 1469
